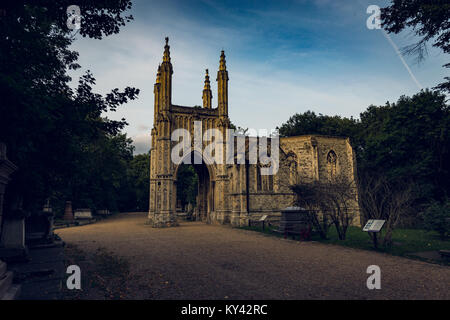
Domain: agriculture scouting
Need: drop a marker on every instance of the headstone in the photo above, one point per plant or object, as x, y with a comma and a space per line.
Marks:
103, 212
295, 220
12, 237
8, 290
13, 234
68, 212
6, 169
12, 241
39, 228
47, 207
83, 214
195, 213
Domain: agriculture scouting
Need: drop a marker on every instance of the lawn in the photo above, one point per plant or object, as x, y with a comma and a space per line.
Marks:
406, 241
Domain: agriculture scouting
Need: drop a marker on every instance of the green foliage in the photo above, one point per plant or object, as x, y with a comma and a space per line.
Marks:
310, 123
56, 135
437, 218
187, 185
102, 172
409, 140
139, 182
406, 241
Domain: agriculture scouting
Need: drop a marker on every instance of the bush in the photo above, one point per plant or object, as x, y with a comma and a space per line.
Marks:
437, 218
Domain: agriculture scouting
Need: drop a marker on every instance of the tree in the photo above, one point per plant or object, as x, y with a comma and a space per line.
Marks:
404, 141
139, 182
47, 126
437, 218
339, 199
408, 141
332, 200
429, 19
309, 197
380, 199
310, 123
187, 184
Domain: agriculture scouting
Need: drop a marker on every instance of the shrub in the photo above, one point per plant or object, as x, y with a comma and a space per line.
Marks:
437, 218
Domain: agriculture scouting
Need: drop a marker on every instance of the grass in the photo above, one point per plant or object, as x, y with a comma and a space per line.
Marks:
405, 241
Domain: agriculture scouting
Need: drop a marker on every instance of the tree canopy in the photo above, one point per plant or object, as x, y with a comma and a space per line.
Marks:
430, 21
407, 141
310, 123
53, 132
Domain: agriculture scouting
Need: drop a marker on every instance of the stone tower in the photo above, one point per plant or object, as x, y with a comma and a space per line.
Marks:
168, 117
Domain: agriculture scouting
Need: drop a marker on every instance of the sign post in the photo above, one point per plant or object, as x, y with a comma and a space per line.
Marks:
374, 226
263, 219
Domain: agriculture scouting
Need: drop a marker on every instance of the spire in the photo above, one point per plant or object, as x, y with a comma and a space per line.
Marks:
166, 57
222, 87
166, 78
207, 94
207, 83
158, 75
223, 65
157, 94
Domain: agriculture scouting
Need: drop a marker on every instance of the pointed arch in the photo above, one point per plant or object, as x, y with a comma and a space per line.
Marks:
332, 164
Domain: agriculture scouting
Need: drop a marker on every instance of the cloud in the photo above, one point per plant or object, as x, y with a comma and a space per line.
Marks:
275, 70
142, 143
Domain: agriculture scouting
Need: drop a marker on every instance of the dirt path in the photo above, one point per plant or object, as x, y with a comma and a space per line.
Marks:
198, 261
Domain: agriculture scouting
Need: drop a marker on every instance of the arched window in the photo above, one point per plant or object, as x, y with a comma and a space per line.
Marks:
332, 164
293, 170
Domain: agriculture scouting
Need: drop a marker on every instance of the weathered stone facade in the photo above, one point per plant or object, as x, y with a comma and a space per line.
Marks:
231, 193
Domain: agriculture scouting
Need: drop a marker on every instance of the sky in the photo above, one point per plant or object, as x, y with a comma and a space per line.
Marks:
283, 57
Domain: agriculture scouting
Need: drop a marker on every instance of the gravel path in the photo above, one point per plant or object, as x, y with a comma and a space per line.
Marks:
198, 261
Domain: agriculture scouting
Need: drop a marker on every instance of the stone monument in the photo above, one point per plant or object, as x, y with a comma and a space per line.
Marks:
68, 212
8, 290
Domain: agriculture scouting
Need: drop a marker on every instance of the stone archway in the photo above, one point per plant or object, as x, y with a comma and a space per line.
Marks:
205, 195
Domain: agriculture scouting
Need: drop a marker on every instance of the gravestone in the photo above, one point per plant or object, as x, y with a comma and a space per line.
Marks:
81, 214
189, 208
8, 290
6, 169
12, 239
13, 232
103, 212
295, 221
39, 228
68, 212
179, 207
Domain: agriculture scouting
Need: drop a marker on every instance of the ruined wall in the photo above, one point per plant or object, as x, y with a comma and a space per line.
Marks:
302, 158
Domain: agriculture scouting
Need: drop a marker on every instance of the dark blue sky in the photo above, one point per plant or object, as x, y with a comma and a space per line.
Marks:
283, 57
